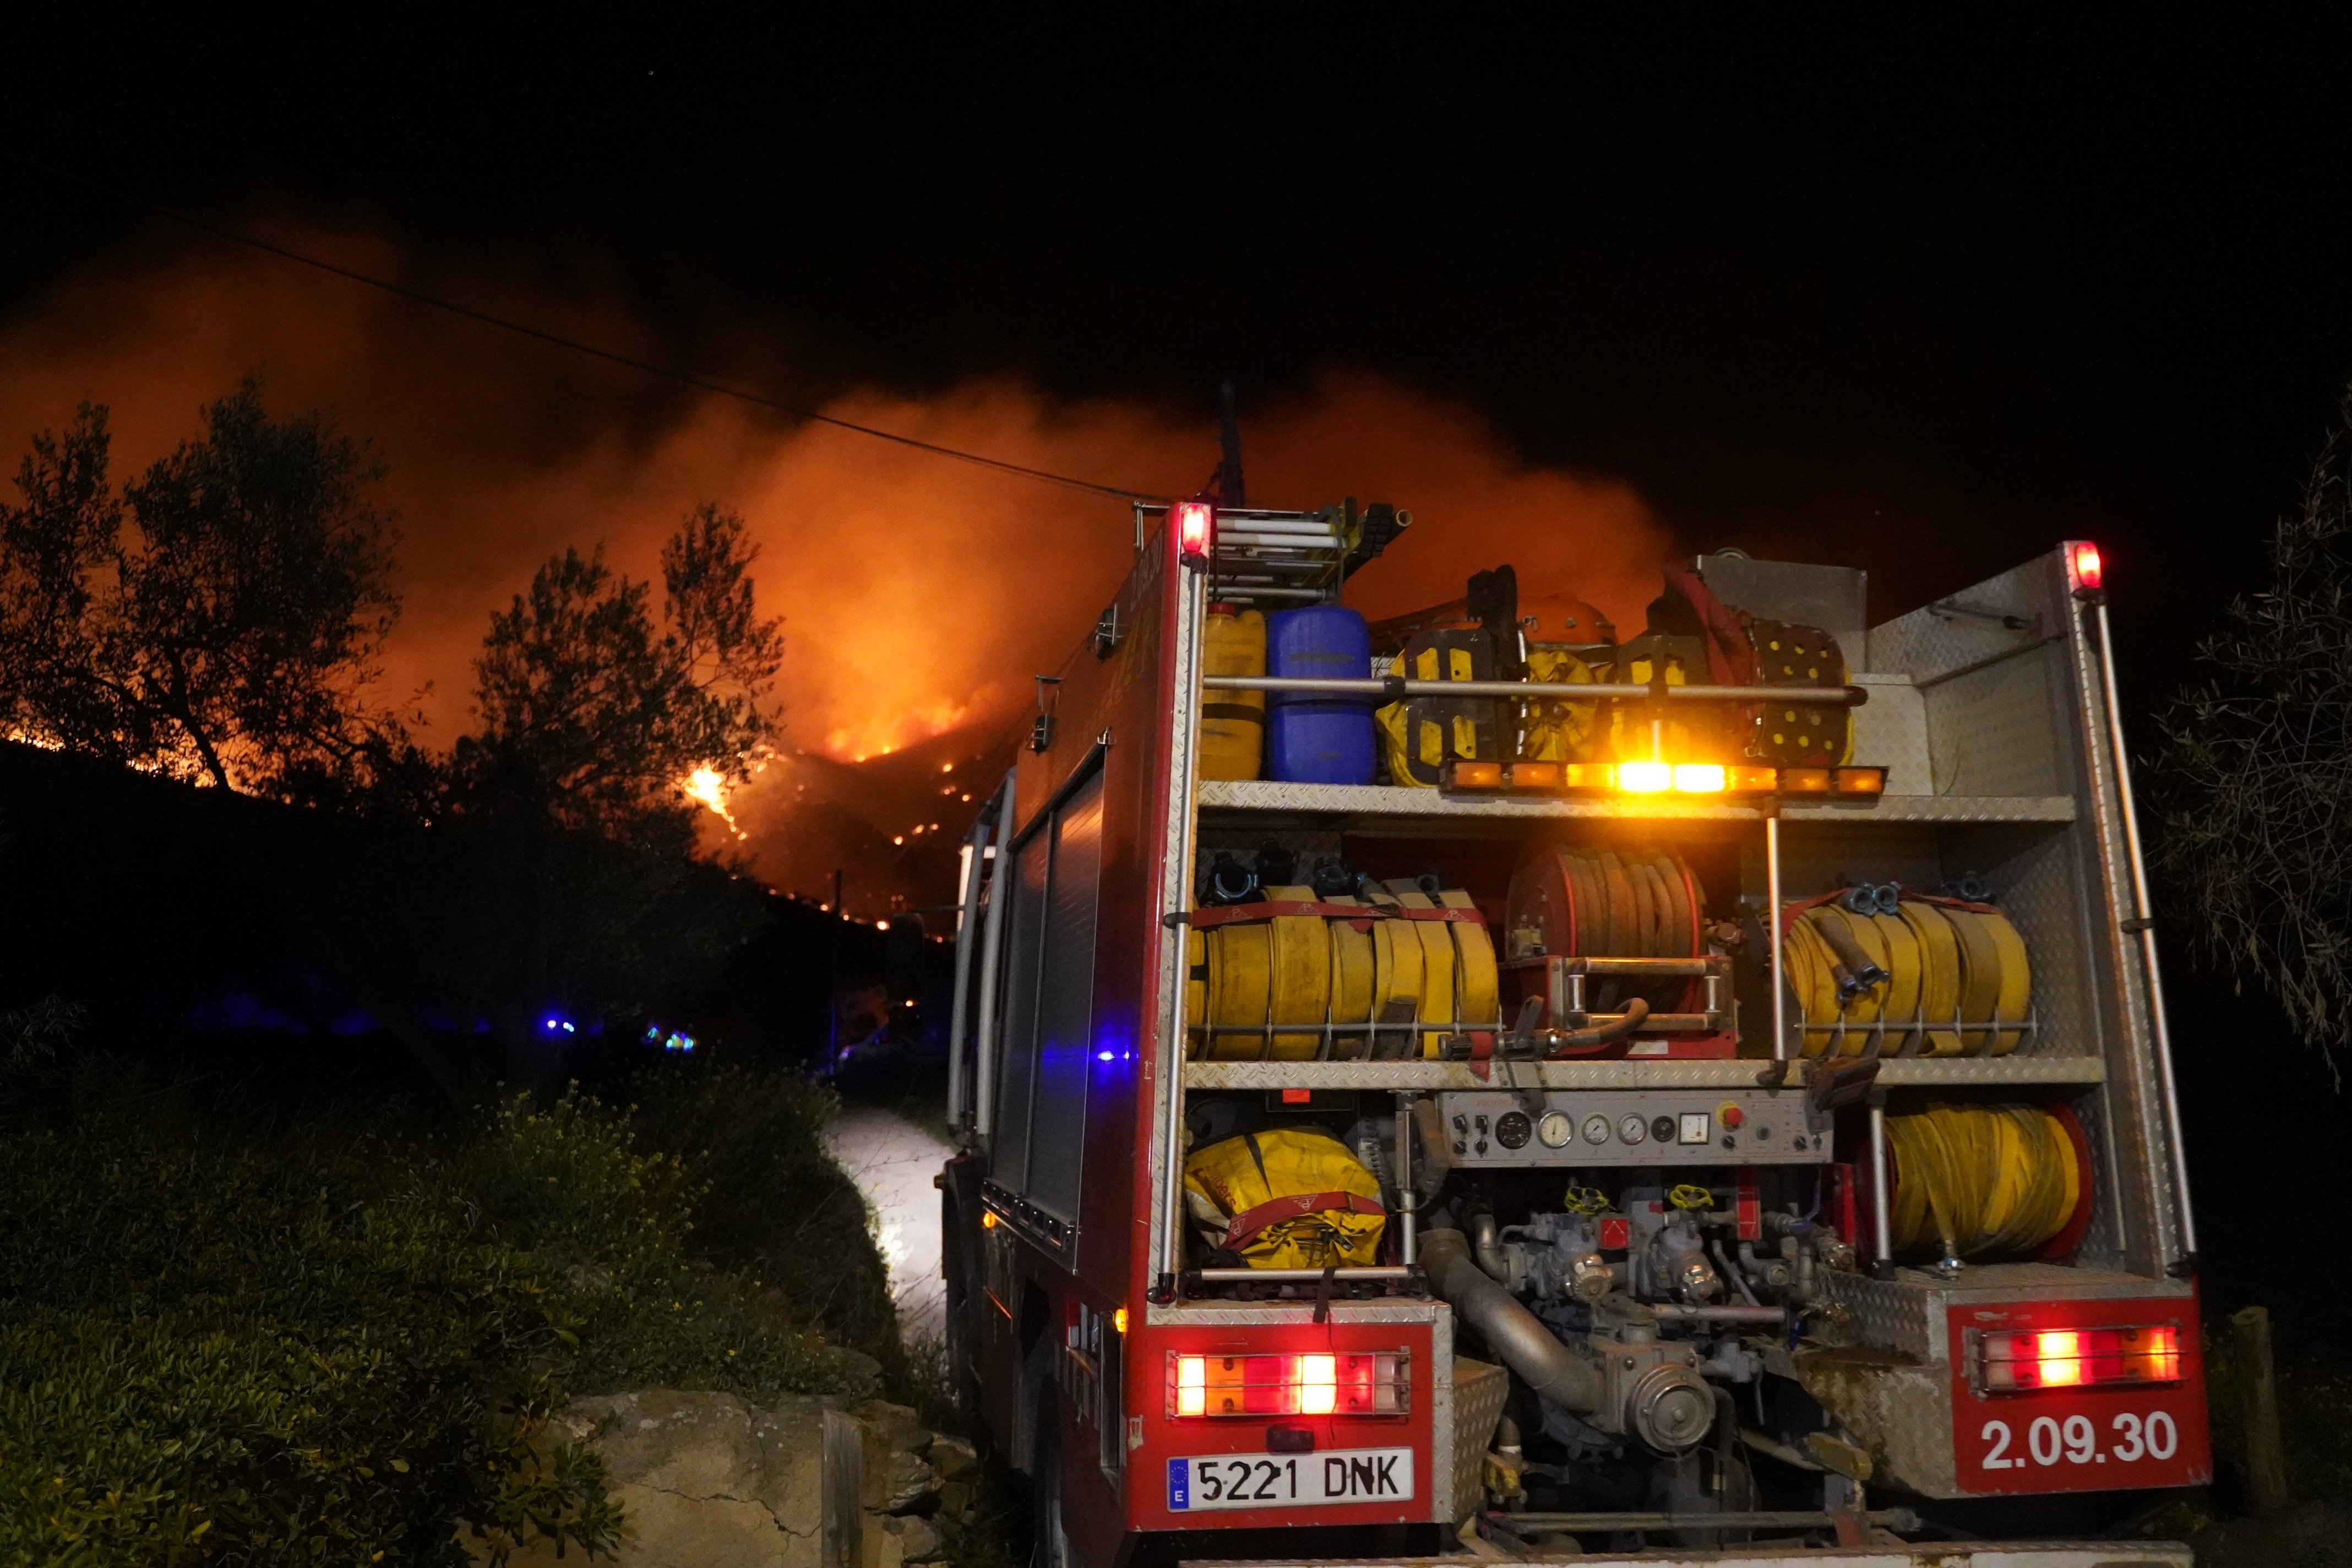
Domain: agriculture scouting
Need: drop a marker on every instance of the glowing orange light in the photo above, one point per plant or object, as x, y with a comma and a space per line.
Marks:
988, 1220
1191, 1386
2060, 1355
2087, 565
1644, 778
1118, 1319
1319, 1385
1698, 778
1858, 781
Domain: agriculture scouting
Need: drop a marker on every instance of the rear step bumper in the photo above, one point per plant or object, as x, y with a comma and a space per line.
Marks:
1926, 1554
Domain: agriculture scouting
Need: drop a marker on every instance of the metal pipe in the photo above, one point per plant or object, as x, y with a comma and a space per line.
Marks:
1511, 1331
1408, 1199
1191, 614
1773, 938
1485, 1249
999, 890
1677, 1310
1882, 1218
1738, 1278
1389, 689
2143, 920
967, 937
1240, 591
1897, 1519
1300, 1276
1667, 1022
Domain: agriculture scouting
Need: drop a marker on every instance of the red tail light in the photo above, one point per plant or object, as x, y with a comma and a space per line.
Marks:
2080, 1358
1195, 529
2082, 563
1376, 1382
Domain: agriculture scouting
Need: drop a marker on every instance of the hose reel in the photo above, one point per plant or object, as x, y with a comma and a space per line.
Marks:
1977, 1180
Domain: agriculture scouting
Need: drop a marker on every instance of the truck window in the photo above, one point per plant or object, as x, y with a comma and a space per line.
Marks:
1049, 1006
1066, 1007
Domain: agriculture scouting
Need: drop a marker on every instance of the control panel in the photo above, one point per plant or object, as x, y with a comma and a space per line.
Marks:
1625, 1127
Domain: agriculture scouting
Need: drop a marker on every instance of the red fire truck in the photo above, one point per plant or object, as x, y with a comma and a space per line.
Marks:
1779, 1153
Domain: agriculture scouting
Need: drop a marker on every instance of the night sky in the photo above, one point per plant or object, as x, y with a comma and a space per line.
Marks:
1922, 299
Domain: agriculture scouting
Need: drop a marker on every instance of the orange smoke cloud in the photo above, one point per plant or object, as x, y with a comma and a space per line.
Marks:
920, 594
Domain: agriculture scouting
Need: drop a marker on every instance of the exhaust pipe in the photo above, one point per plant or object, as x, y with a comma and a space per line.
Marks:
1649, 1389
1516, 1334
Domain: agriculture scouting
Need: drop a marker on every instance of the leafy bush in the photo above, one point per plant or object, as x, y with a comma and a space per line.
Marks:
773, 1197
329, 1350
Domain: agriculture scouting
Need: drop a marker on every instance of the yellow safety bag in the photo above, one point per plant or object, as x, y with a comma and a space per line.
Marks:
1552, 731
1294, 1198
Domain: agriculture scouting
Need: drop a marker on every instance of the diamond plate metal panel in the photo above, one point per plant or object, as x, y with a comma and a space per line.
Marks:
2103, 1243
1994, 691
1888, 1315
1937, 639
1430, 1077
1890, 731
1262, 1314
1480, 1390
1995, 730
1362, 805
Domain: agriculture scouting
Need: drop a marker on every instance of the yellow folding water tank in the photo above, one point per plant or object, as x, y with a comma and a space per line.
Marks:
1232, 723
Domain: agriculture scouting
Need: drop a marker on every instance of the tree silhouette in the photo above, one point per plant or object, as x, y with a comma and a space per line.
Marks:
594, 718
2254, 772
229, 636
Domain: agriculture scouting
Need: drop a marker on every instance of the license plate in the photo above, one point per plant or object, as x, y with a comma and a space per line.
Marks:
1289, 1480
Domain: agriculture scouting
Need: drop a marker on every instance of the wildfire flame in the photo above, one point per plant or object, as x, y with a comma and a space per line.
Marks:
881, 735
708, 785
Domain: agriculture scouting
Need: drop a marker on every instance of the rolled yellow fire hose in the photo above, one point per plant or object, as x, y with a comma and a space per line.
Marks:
1300, 962
1352, 969
1973, 1180
1903, 983
1960, 981
1939, 987
1475, 979
1396, 979
1301, 988
1437, 964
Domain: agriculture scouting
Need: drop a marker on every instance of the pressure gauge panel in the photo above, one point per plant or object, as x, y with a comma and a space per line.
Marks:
1663, 1128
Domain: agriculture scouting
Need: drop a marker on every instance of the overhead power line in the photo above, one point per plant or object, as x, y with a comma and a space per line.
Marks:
684, 378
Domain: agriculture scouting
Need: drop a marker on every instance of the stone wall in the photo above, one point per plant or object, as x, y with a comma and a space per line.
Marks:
709, 1480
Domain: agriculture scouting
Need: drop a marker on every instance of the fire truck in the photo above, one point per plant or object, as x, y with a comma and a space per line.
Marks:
1777, 1154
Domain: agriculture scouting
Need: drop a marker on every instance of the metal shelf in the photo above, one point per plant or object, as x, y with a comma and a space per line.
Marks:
1367, 805
1913, 1072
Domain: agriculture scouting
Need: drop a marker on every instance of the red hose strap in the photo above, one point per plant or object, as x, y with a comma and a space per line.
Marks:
1272, 909
1247, 1224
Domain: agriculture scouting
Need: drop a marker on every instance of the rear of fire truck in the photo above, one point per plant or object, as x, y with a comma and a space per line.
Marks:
1700, 1091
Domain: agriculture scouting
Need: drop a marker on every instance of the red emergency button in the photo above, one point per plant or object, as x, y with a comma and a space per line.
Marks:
1731, 1116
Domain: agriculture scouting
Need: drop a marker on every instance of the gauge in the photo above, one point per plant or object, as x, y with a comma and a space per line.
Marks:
1512, 1129
1632, 1129
1555, 1130
1596, 1128
1662, 1127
